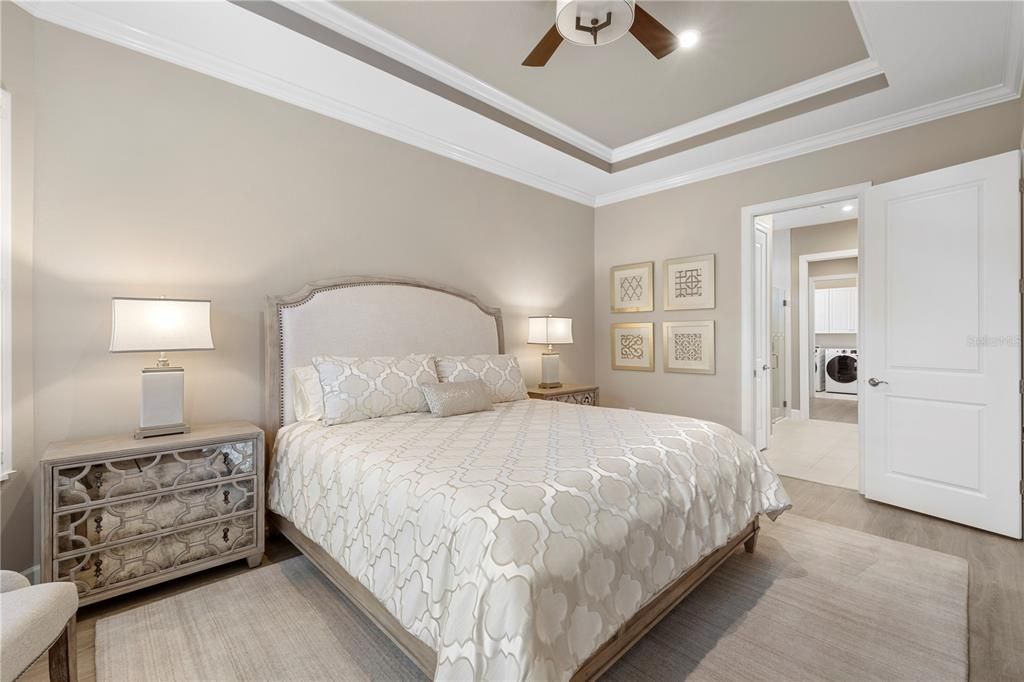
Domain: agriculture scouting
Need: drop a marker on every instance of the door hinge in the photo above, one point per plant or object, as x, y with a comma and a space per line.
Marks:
786, 303
1020, 185
1020, 386
785, 403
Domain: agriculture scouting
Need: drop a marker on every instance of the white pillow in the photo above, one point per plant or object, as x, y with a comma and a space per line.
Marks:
500, 374
307, 394
364, 388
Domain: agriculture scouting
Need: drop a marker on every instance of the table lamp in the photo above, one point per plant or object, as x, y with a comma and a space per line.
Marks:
550, 330
158, 325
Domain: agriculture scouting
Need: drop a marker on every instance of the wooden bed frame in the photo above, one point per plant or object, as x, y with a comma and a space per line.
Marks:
425, 658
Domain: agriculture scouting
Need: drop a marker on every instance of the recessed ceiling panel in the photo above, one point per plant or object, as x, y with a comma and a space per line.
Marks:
619, 93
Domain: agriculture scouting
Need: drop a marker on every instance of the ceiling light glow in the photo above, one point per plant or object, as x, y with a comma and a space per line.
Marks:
689, 38
847, 208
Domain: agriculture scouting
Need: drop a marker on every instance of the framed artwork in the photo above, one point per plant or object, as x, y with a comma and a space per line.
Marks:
633, 288
633, 346
689, 346
690, 283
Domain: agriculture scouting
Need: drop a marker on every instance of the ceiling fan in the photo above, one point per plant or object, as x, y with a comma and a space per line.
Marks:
599, 22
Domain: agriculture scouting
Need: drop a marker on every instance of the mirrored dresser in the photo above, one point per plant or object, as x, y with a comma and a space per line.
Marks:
120, 514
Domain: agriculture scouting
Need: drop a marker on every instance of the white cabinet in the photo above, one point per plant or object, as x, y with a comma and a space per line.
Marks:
835, 310
821, 317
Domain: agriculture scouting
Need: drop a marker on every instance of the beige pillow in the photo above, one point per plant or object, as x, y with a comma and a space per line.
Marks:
364, 388
460, 397
500, 374
307, 394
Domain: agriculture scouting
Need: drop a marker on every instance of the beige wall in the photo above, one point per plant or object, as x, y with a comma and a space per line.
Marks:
17, 494
154, 180
839, 236
705, 218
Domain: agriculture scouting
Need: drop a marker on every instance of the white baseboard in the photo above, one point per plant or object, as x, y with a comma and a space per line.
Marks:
32, 573
797, 415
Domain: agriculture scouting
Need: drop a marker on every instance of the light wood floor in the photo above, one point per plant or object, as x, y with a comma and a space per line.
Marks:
834, 410
996, 577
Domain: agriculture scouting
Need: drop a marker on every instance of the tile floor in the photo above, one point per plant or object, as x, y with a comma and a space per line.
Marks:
816, 450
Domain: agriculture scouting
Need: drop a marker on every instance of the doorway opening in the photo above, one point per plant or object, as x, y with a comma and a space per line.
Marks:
803, 407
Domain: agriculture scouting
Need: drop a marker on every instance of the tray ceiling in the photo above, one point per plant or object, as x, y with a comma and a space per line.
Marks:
925, 60
619, 93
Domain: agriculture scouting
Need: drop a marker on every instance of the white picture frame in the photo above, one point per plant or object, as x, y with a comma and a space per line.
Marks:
690, 283
632, 288
633, 346
689, 346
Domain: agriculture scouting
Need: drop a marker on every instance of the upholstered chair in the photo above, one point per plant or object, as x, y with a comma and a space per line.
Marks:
35, 619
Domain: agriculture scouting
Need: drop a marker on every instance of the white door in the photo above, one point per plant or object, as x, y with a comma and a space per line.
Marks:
762, 338
940, 362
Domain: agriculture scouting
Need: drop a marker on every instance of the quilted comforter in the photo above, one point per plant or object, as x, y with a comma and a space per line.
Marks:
515, 542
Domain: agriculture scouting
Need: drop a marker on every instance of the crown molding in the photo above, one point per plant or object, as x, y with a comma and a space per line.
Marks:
996, 94
78, 17
1013, 76
372, 36
818, 85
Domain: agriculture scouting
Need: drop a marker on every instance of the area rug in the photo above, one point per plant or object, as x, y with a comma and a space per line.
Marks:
814, 602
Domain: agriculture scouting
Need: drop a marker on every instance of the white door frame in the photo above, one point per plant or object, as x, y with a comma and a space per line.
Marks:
747, 214
806, 380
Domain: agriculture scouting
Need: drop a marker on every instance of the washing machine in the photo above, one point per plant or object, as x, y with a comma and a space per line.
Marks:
819, 368
841, 370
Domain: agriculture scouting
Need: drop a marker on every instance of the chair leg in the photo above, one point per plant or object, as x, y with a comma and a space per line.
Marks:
64, 655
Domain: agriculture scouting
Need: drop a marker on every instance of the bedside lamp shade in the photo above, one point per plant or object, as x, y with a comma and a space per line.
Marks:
549, 330
160, 325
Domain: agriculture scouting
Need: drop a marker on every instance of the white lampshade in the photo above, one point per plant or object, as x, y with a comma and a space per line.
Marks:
550, 330
160, 324
567, 11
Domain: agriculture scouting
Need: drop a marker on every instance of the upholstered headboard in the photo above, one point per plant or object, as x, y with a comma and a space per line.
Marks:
361, 316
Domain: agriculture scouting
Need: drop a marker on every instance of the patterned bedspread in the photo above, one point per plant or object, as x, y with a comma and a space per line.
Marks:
515, 542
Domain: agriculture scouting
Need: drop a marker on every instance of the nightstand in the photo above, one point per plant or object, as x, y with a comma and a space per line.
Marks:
120, 514
567, 393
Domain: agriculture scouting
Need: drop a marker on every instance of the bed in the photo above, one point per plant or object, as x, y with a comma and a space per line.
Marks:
539, 540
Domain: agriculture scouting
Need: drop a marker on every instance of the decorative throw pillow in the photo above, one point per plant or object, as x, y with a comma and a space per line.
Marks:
307, 394
460, 397
500, 374
364, 388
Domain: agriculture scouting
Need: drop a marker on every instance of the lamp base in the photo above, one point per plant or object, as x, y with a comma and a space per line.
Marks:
549, 371
162, 408
154, 431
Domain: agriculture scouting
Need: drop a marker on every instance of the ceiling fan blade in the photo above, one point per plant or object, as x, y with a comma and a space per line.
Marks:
544, 49
658, 40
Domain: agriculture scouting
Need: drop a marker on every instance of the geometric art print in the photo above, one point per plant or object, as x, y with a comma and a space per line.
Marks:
690, 283
632, 288
633, 346
688, 347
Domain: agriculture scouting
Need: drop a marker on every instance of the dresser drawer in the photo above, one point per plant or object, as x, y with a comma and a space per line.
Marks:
114, 521
102, 569
86, 484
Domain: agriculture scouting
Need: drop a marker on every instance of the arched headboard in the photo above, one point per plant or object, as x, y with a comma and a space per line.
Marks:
362, 316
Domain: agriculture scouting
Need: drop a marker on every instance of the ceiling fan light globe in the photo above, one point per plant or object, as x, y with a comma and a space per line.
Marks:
567, 11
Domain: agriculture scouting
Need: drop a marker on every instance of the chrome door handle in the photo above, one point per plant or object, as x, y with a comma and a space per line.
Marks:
765, 368
875, 382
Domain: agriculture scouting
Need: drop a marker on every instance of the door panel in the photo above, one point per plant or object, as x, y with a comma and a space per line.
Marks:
934, 283
941, 310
